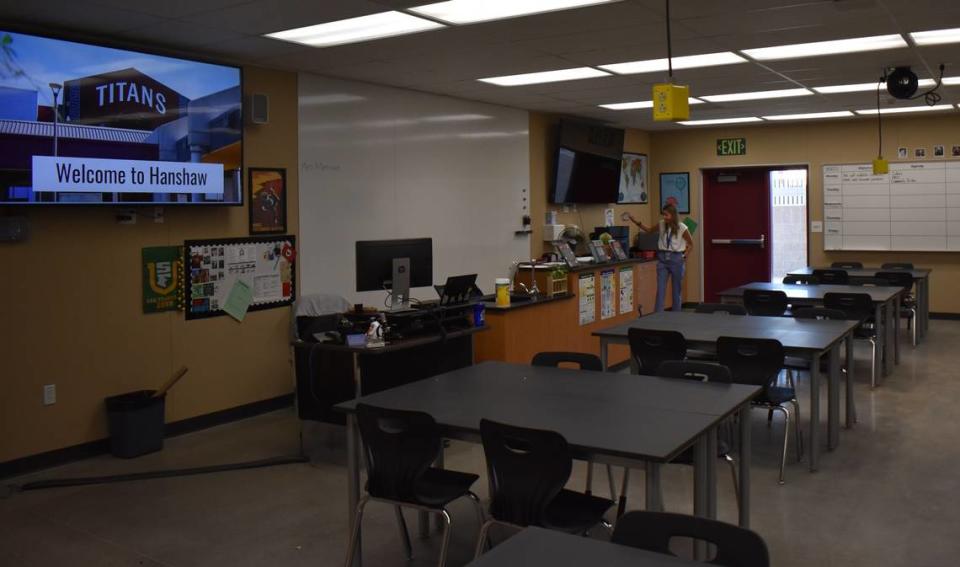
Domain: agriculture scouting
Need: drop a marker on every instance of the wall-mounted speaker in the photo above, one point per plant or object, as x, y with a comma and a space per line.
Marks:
259, 109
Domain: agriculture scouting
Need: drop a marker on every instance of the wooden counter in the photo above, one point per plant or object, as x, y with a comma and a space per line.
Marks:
516, 335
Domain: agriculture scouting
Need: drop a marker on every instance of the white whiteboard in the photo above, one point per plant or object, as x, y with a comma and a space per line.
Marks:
915, 207
381, 163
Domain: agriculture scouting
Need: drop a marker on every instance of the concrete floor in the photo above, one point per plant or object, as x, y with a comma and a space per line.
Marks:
886, 496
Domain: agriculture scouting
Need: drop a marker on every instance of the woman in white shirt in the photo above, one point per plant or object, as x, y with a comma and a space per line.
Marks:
673, 246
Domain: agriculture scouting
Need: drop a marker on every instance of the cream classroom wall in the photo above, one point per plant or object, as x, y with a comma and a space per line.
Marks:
543, 144
813, 144
71, 310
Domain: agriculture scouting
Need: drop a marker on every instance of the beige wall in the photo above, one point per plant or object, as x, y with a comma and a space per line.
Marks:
813, 144
543, 143
71, 310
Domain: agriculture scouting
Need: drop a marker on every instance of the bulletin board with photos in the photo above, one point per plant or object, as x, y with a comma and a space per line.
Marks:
212, 268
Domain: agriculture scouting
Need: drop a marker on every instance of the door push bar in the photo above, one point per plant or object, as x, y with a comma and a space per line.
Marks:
761, 242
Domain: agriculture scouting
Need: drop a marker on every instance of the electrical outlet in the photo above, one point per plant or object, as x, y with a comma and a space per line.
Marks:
49, 394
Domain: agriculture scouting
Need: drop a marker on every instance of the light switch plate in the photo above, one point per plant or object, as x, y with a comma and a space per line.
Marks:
816, 226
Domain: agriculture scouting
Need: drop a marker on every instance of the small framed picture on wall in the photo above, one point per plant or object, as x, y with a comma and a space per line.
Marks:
267, 195
675, 190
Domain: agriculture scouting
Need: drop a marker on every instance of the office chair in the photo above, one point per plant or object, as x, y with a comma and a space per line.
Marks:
650, 348
859, 307
399, 447
765, 303
832, 277
800, 279
758, 362
908, 303
527, 470
703, 372
652, 531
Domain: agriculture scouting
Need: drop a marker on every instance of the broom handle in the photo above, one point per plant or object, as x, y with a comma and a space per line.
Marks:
173, 380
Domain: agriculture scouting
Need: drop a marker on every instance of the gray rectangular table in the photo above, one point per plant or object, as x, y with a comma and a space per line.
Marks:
537, 547
804, 338
921, 278
886, 305
618, 419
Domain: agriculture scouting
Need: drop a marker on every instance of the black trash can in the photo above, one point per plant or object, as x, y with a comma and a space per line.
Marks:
135, 422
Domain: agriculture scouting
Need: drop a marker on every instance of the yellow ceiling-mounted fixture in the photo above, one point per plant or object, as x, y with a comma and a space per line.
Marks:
671, 103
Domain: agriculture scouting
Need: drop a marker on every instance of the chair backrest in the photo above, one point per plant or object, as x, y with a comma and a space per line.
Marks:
527, 469
584, 360
834, 277
694, 370
722, 308
897, 266
399, 446
751, 361
856, 306
869, 281
847, 265
901, 279
801, 279
764, 302
650, 348
652, 531
819, 313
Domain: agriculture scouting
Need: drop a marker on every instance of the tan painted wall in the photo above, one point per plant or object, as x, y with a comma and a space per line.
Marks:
816, 144
71, 310
543, 131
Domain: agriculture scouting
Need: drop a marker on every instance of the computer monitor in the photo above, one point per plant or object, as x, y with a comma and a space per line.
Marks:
396, 265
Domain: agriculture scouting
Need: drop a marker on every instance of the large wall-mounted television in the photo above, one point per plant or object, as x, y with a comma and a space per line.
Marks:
84, 124
587, 164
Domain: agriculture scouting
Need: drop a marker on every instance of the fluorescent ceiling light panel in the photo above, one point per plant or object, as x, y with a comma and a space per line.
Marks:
720, 121
473, 11
640, 104
685, 62
862, 87
833, 47
951, 81
904, 109
355, 30
810, 115
756, 95
936, 37
546, 77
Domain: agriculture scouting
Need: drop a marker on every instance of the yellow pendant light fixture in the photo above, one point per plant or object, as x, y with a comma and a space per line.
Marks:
671, 103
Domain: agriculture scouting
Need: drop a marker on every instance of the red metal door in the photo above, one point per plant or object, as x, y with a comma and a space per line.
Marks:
736, 229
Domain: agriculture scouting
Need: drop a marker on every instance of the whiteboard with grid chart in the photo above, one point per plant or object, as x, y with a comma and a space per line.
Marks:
915, 207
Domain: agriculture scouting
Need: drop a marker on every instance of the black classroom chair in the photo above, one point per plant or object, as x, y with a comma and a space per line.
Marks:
652, 531
792, 364
908, 303
801, 279
399, 448
650, 348
585, 361
765, 303
721, 308
875, 281
528, 469
858, 307
703, 372
847, 265
897, 266
832, 276
758, 362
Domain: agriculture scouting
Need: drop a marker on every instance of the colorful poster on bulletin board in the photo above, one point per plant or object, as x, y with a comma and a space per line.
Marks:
626, 290
608, 306
212, 268
588, 298
162, 278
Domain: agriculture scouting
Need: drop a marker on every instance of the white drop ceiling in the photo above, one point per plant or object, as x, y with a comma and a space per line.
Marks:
450, 60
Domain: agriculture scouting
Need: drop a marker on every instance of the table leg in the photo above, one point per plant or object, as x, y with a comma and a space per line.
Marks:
878, 317
813, 437
439, 463
701, 485
604, 345
745, 466
851, 413
833, 399
923, 294
896, 328
353, 478
652, 492
712, 473
889, 338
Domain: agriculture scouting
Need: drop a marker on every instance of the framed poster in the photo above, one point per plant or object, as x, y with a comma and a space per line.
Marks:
633, 179
162, 278
264, 266
675, 190
268, 200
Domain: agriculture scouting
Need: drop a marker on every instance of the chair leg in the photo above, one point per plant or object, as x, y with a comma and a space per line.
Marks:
873, 363
589, 489
482, 538
404, 534
786, 440
913, 319
797, 431
355, 532
478, 506
446, 538
733, 473
769, 418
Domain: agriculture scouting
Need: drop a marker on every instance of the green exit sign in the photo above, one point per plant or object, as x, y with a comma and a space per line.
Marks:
732, 147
